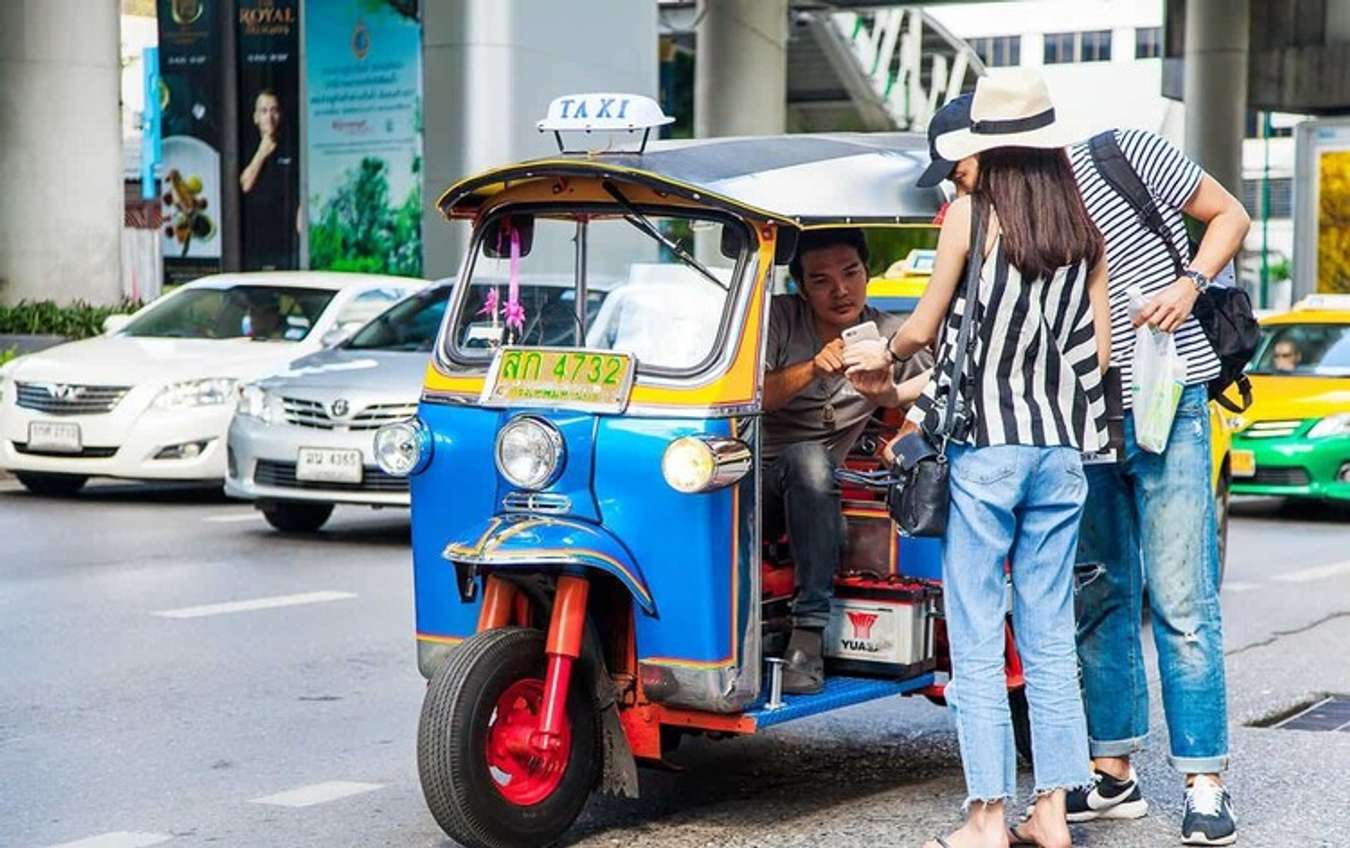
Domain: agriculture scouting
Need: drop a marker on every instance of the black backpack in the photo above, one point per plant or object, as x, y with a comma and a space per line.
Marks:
1225, 313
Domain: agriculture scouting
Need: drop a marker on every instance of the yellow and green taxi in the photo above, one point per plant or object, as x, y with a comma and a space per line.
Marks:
1295, 439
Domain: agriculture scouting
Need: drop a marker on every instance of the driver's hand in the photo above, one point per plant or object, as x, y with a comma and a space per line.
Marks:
867, 355
830, 360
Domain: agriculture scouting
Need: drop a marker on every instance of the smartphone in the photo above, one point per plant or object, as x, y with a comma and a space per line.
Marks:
862, 332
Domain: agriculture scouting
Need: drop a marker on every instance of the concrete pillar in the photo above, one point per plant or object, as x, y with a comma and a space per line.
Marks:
1215, 86
60, 151
740, 68
489, 70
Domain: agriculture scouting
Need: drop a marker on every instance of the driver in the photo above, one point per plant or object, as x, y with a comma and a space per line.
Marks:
264, 318
813, 415
1286, 356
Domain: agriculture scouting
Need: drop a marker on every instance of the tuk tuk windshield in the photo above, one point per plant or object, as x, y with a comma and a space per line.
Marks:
656, 285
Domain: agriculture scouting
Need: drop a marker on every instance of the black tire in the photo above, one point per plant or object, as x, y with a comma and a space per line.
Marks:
452, 737
1021, 722
1221, 501
52, 485
297, 516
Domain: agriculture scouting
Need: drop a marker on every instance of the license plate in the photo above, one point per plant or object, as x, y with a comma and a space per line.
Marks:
321, 465
593, 380
54, 436
1243, 463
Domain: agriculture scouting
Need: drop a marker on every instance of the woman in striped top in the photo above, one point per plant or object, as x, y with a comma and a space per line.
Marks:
1029, 403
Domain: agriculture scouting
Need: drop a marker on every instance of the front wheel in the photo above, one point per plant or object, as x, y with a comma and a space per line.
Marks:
484, 784
52, 485
297, 516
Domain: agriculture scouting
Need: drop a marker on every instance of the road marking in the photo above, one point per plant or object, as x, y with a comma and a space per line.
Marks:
318, 793
118, 839
232, 518
255, 604
1239, 586
1321, 572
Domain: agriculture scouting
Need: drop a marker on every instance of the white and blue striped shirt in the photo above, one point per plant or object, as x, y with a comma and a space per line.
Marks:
1134, 255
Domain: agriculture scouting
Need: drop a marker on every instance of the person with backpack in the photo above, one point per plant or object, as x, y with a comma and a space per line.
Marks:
1156, 510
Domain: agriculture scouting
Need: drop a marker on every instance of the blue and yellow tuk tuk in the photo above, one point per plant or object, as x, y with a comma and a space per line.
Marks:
592, 579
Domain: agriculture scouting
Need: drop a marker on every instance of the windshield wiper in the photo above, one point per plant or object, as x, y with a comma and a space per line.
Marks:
637, 219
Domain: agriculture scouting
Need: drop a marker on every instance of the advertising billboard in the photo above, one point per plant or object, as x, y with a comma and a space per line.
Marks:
269, 133
1322, 207
190, 69
363, 155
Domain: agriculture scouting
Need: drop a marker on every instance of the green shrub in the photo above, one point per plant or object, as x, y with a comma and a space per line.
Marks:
7, 354
76, 320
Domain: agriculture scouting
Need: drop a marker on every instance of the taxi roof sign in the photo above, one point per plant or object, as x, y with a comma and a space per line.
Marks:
603, 112
1325, 301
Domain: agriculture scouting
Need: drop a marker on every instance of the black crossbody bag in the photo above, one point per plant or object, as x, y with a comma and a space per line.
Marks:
919, 499
1225, 314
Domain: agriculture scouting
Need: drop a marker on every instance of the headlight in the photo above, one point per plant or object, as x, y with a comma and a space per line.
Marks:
403, 448
256, 402
1332, 425
529, 452
212, 391
699, 464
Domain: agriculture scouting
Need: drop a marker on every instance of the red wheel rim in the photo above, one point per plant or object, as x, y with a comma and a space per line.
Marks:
523, 773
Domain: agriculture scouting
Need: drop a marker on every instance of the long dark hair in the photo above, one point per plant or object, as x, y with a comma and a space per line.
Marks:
1045, 224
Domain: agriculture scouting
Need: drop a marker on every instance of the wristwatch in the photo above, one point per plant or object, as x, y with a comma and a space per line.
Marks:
1200, 280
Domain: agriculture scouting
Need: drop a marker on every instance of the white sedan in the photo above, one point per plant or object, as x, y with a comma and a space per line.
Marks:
152, 398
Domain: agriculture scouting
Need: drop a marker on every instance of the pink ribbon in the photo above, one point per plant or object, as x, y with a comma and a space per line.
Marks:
515, 313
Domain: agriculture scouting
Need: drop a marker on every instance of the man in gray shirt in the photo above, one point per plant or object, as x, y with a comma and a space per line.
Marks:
813, 414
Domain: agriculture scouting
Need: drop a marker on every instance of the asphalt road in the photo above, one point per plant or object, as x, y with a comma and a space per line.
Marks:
136, 710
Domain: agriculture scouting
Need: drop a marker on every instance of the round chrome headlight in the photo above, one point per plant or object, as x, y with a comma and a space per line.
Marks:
529, 452
694, 464
403, 448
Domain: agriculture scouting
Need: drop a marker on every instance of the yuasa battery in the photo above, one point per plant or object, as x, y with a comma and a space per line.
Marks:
880, 627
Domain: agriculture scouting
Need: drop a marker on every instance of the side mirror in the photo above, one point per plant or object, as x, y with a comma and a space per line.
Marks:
336, 336
114, 323
497, 235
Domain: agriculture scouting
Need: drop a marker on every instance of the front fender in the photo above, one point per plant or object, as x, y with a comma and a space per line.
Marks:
525, 541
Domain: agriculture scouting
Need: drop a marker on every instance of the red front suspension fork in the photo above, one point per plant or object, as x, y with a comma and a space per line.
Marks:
563, 647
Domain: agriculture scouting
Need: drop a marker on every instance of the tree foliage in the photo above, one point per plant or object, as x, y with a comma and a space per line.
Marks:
358, 229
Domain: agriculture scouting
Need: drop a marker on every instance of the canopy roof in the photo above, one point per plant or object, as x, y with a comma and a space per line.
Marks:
805, 180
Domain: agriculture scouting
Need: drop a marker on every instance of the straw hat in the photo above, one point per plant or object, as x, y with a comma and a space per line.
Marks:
1011, 108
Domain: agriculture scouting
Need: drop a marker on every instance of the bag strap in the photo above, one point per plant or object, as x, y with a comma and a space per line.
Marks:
1121, 176
1244, 387
965, 335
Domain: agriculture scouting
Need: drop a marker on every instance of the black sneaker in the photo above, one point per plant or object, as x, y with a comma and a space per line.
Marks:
1209, 816
1107, 798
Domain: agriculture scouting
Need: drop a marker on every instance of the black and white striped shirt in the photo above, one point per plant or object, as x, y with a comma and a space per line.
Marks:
1033, 378
1134, 255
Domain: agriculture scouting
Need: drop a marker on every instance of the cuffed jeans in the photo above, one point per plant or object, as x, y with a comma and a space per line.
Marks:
1154, 510
801, 495
1023, 502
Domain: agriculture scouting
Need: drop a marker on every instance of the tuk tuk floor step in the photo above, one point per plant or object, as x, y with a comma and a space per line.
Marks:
839, 692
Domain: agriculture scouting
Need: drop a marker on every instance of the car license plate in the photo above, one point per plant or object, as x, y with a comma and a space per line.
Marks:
54, 436
1243, 463
594, 380
321, 465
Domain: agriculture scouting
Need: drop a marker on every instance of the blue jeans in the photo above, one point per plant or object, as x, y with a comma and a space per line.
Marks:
802, 496
1023, 504
1154, 510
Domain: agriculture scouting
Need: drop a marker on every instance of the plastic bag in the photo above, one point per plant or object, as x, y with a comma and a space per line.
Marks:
1159, 379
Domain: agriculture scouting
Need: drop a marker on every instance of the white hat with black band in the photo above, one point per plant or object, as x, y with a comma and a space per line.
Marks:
1011, 108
